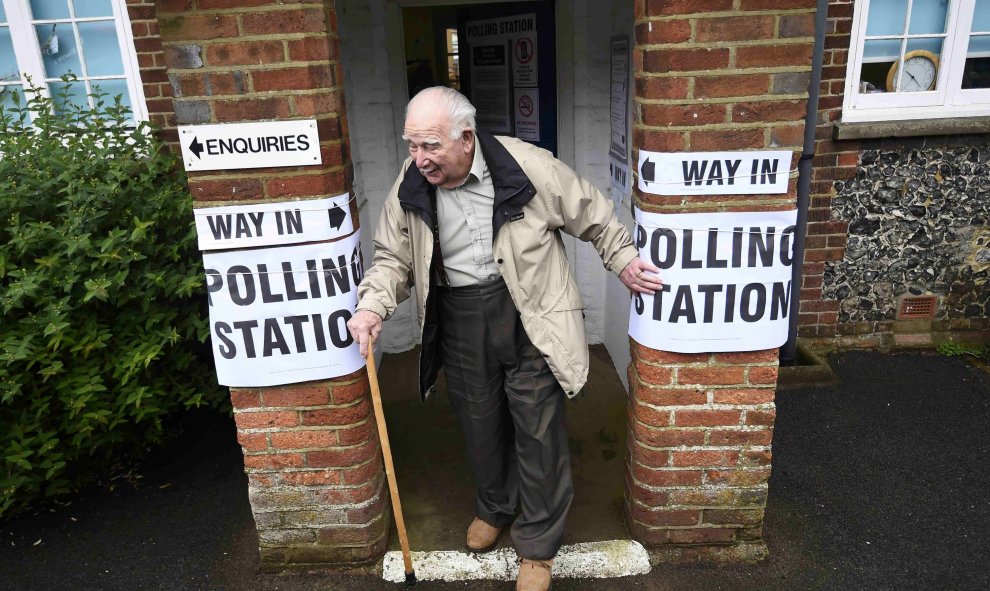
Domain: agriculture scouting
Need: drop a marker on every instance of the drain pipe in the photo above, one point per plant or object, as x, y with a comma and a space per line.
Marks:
788, 353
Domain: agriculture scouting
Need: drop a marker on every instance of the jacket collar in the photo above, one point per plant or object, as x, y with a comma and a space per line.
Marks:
513, 188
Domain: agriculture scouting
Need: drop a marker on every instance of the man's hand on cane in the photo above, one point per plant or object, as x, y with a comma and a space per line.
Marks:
365, 326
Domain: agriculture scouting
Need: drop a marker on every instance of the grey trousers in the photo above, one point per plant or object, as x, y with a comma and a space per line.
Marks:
512, 411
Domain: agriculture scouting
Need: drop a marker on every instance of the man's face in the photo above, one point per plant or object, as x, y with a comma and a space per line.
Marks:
443, 161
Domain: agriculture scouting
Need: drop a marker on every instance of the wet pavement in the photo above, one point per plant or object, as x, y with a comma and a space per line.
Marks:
880, 482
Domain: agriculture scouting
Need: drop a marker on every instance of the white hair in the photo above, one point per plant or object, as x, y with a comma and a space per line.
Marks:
459, 109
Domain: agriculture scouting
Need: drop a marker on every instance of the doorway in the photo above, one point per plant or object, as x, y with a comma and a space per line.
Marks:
381, 42
501, 56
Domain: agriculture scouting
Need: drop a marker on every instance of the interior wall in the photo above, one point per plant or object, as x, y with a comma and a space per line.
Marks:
373, 57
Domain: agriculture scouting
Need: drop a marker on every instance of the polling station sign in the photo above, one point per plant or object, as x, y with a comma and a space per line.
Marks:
267, 224
258, 144
279, 315
714, 173
727, 281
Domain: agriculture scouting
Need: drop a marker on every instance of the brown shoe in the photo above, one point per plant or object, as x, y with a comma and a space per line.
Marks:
534, 575
481, 536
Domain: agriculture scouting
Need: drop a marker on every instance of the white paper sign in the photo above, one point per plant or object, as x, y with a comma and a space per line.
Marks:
259, 144
620, 180
490, 88
270, 224
279, 315
527, 114
727, 281
619, 99
714, 173
524, 60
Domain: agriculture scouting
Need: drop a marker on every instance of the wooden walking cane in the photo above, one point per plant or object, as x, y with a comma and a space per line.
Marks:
400, 523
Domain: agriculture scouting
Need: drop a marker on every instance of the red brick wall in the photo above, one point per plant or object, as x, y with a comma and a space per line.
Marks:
311, 450
151, 62
710, 75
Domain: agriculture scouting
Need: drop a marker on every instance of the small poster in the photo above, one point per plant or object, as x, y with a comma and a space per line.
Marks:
619, 100
726, 281
490, 88
524, 62
527, 114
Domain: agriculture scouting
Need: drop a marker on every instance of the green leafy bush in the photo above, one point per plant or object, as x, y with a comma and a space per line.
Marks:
101, 291
950, 349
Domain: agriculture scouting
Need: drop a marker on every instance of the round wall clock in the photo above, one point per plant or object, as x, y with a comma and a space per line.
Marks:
920, 72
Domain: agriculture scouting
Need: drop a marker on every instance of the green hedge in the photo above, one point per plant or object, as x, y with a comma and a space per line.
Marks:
101, 291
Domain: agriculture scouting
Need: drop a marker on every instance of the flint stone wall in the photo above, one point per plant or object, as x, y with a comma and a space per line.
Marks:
919, 224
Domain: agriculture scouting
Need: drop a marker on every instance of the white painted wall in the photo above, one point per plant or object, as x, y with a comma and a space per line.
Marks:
372, 55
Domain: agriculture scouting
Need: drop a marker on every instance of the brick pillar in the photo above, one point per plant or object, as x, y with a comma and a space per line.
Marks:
710, 75
311, 451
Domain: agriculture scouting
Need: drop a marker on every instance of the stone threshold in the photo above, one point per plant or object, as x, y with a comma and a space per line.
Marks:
590, 560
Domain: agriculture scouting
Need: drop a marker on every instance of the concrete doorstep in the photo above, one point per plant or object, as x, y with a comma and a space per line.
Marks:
589, 560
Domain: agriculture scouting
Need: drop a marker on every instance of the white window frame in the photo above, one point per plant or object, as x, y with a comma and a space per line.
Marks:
947, 100
27, 51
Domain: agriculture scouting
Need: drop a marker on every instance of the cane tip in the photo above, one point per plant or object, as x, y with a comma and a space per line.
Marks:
410, 579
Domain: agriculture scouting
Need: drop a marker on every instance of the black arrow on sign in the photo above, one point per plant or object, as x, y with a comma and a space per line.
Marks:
195, 147
648, 171
337, 216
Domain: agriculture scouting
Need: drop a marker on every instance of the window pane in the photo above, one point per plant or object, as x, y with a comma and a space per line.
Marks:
981, 16
933, 45
100, 49
976, 73
7, 96
76, 94
58, 50
928, 16
113, 88
886, 17
881, 50
49, 9
91, 8
8, 63
3, 15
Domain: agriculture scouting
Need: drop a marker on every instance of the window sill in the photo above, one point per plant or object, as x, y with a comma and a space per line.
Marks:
911, 128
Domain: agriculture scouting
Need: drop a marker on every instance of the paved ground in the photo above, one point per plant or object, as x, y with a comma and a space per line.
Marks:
878, 483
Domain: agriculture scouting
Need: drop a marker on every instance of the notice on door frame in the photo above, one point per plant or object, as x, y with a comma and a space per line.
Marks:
527, 114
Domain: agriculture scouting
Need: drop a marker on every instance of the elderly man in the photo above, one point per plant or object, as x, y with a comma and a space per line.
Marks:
474, 222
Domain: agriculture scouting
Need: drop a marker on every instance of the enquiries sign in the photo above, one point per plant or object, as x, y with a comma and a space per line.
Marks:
727, 281
257, 144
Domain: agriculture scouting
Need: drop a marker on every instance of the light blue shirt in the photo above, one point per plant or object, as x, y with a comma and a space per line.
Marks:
464, 215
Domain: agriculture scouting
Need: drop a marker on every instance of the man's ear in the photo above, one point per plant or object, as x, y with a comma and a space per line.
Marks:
467, 136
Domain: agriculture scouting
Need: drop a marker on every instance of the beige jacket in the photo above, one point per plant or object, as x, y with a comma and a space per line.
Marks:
536, 197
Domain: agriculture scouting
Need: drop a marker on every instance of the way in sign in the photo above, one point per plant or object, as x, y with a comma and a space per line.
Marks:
695, 171
249, 224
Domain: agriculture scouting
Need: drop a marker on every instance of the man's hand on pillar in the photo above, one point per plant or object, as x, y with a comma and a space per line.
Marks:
640, 276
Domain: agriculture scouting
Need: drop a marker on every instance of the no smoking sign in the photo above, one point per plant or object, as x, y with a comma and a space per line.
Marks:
525, 105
